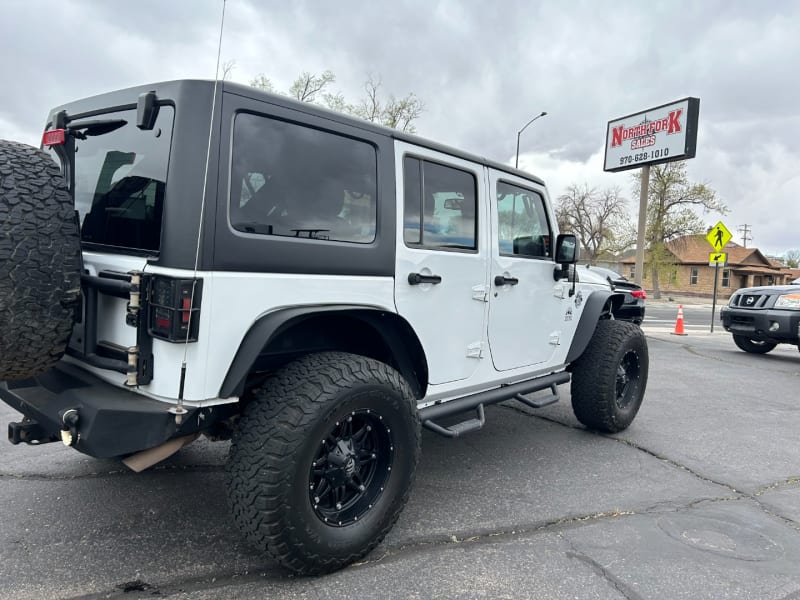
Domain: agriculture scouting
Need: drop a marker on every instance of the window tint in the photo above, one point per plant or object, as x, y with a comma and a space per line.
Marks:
120, 182
522, 222
440, 206
292, 180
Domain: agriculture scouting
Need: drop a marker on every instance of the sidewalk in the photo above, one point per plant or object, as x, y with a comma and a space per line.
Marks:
673, 300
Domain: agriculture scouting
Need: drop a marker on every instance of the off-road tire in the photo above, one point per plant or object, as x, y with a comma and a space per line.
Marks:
39, 262
283, 430
753, 346
610, 377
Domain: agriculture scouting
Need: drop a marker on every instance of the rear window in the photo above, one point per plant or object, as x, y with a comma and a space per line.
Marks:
120, 181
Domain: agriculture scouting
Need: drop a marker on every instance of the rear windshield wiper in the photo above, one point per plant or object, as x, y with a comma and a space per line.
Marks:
83, 129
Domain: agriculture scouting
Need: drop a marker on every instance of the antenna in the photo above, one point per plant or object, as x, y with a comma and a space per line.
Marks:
179, 410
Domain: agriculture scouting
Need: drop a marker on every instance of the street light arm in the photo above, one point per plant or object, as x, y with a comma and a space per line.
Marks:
519, 133
542, 114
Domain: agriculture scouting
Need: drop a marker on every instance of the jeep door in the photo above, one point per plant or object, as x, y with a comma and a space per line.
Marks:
442, 258
527, 313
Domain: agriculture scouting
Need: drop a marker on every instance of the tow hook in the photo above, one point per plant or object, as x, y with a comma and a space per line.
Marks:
69, 427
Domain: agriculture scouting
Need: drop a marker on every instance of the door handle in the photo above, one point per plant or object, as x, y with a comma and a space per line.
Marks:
501, 280
417, 278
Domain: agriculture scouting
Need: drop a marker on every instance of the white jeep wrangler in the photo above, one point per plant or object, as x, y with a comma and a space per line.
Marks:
197, 257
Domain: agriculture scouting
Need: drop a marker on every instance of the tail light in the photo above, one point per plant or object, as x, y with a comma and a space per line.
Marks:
641, 294
174, 308
54, 137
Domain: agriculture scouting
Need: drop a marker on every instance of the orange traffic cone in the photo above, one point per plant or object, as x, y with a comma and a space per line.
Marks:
679, 322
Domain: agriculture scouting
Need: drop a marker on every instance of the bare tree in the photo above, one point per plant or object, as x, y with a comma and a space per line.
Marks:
792, 258
306, 87
263, 83
395, 113
227, 68
369, 107
401, 113
597, 217
673, 203
309, 87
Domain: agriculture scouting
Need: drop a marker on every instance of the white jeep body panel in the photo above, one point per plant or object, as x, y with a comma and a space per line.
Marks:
476, 335
232, 302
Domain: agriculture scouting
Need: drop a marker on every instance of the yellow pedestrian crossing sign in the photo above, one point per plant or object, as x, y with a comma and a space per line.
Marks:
719, 236
717, 258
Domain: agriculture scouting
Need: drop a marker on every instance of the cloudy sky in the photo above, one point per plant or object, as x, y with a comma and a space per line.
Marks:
483, 69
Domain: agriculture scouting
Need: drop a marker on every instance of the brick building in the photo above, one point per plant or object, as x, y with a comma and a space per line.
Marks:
691, 274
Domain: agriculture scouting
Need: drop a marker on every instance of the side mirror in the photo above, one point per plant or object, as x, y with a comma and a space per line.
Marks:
566, 254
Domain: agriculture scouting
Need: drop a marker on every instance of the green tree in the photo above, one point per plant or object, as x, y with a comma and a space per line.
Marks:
398, 113
673, 202
599, 218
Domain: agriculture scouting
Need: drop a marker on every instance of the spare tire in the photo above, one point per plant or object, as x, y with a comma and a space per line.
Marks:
40, 262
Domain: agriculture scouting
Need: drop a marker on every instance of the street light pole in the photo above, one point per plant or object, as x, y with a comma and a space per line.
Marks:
543, 113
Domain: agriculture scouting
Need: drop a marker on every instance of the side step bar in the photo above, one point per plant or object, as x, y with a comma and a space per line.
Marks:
430, 414
552, 399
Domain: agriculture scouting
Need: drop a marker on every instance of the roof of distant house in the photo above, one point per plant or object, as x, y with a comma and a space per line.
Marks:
695, 249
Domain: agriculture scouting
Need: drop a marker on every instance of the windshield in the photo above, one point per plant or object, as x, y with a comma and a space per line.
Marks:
120, 181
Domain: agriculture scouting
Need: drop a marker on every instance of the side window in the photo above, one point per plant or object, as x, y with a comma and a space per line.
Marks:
296, 181
693, 276
726, 278
522, 222
440, 206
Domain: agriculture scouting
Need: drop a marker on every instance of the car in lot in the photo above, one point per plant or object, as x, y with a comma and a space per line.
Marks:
632, 308
315, 288
760, 318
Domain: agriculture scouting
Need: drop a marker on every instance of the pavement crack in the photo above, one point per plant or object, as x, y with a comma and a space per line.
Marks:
492, 535
619, 585
629, 443
789, 482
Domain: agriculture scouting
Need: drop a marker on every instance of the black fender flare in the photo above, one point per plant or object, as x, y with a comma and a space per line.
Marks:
595, 305
396, 336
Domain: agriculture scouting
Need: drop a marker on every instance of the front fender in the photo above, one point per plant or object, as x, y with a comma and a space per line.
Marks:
601, 304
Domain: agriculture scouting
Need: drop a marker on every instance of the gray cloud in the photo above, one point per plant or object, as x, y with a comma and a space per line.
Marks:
482, 69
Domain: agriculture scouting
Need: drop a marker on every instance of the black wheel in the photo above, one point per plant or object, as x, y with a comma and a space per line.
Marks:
322, 460
39, 262
610, 377
753, 346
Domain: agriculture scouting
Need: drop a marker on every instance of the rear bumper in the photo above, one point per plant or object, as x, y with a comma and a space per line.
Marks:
111, 421
756, 324
630, 312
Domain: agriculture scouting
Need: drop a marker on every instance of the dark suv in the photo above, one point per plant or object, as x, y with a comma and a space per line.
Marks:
632, 308
760, 318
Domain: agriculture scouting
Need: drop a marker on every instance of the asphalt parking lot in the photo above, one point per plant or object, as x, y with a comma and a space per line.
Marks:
700, 498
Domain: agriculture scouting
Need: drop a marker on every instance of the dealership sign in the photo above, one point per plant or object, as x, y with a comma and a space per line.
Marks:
661, 134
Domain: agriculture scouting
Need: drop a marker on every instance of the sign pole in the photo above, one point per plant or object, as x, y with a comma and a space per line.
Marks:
638, 269
714, 301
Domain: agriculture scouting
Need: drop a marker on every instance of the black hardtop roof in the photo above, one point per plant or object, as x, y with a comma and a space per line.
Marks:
172, 88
